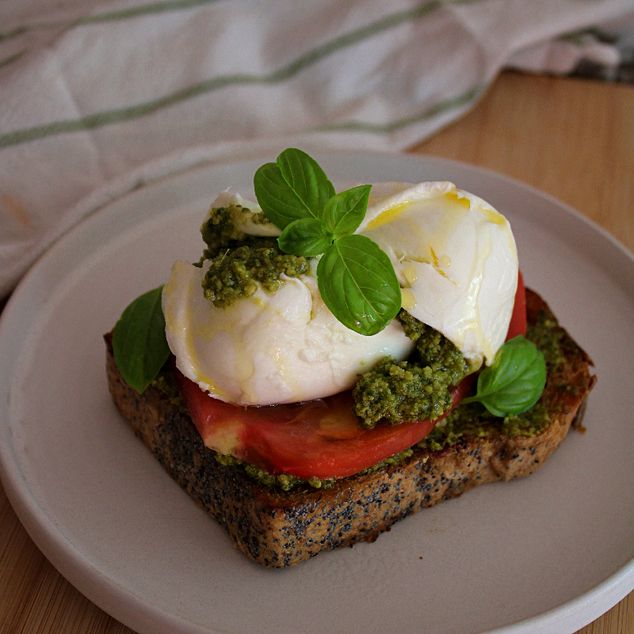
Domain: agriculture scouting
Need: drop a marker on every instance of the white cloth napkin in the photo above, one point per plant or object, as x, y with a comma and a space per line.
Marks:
99, 97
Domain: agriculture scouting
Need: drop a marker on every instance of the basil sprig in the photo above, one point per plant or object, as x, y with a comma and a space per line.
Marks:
292, 188
355, 277
138, 340
515, 381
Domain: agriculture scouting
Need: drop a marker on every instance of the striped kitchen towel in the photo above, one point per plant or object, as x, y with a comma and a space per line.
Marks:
100, 96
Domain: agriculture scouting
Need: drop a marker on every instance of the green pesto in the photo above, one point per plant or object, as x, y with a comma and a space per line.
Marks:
288, 482
282, 481
238, 262
397, 458
237, 272
549, 337
219, 231
473, 421
415, 389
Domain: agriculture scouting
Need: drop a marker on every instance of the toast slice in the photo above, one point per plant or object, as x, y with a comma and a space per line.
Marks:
279, 528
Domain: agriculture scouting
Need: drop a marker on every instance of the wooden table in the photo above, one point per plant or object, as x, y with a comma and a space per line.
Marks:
571, 138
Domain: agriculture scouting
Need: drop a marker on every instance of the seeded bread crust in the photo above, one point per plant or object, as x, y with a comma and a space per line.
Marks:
279, 529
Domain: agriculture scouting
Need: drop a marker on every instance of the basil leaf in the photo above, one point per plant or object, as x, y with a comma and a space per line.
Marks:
305, 176
515, 381
138, 340
356, 279
291, 188
358, 284
279, 203
306, 236
344, 212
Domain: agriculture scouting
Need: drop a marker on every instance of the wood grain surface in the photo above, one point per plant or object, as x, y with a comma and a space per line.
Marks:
571, 138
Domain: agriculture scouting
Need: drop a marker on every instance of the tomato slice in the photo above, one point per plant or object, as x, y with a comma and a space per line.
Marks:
517, 325
320, 438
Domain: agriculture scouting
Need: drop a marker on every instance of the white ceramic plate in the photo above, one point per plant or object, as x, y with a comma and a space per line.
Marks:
544, 554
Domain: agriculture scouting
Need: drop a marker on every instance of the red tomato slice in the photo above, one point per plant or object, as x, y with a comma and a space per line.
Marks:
517, 325
319, 438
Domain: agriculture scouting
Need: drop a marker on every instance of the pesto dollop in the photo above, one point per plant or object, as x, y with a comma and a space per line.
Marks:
474, 421
239, 262
220, 229
415, 389
287, 482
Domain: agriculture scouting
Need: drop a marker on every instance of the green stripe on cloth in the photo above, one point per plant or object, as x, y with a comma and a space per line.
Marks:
101, 119
120, 115
11, 58
441, 107
110, 16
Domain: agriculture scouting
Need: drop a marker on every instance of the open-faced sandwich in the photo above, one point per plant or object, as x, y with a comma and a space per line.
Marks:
337, 361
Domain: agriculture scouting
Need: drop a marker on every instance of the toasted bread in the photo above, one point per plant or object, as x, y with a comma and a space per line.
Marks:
280, 528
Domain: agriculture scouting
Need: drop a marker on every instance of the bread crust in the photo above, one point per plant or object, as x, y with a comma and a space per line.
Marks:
279, 529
